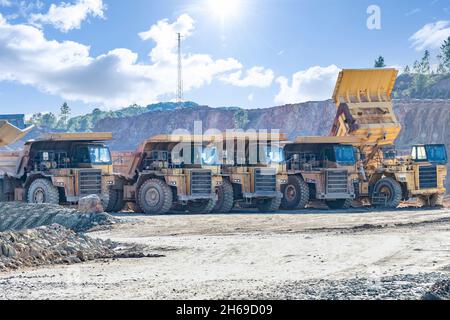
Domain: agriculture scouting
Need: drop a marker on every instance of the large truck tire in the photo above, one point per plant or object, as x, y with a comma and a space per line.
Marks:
43, 191
155, 197
295, 194
437, 200
268, 205
201, 207
225, 198
340, 204
393, 191
115, 201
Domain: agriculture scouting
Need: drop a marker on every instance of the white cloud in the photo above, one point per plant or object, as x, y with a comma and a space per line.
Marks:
66, 17
251, 97
114, 79
431, 36
413, 12
164, 35
316, 83
254, 77
5, 3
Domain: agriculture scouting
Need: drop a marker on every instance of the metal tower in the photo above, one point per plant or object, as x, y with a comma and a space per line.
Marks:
180, 74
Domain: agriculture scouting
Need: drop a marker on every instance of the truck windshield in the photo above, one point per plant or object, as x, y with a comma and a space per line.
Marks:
99, 155
274, 155
345, 155
210, 156
436, 153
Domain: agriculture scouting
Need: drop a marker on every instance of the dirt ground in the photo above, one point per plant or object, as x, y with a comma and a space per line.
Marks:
313, 255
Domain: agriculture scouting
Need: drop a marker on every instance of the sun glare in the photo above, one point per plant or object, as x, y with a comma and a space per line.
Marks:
225, 9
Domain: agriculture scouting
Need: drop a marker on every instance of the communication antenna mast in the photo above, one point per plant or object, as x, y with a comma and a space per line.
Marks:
180, 74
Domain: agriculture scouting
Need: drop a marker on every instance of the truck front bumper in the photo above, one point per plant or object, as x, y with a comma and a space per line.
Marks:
208, 196
263, 195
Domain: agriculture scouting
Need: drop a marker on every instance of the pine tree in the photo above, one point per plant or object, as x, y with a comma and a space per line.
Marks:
406, 70
425, 63
444, 56
379, 63
64, 116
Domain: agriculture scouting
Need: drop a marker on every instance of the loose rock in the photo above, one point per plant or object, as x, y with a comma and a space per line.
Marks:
22, 216
50, 245
90, 204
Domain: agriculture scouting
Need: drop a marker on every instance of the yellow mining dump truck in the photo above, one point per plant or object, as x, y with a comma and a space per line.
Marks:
59, 169
250, 167
166, 172
365, 112
320, 168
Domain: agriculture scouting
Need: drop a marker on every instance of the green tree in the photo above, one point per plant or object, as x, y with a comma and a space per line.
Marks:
36, 119
407, 70
241, 119
441, 69
85, 125
425, 63
445, 53
48, 120
64, 113
379, 63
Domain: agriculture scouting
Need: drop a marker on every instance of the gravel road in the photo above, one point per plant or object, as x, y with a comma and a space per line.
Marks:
312, 255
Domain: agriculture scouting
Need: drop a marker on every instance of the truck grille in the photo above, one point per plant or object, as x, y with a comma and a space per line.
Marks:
201, 182
90, 182
265, 180
337, 181
428, 177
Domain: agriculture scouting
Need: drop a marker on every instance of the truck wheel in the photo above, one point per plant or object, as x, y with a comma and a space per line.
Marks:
339, 204
295, 194
392, 190
437, 200
201, 207
225, 198
268, 205
155, 197
43, 191
115, 202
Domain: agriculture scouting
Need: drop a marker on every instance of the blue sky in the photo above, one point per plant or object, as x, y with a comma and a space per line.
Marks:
249, 53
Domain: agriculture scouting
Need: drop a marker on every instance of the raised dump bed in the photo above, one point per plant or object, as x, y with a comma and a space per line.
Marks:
365, 110
10, 134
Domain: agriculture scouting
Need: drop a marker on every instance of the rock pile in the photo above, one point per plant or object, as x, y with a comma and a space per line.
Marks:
50, 245
22, 216
440, 291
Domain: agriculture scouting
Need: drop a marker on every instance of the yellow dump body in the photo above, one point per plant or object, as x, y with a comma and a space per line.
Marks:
10, 134
365, 110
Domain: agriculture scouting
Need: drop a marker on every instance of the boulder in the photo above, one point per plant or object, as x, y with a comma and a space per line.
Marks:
90, 204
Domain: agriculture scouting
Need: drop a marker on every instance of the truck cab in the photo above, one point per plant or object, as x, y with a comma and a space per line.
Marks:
166, 173
61, 169
250, 168
320, 168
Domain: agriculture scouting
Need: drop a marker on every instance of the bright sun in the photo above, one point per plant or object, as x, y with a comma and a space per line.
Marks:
224, 8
